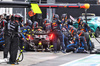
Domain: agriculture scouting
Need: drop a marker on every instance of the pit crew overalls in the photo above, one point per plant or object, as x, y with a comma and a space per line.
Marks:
84, 27
11, 40
56, 29
83, 42
47, 26
66, 33
75, 44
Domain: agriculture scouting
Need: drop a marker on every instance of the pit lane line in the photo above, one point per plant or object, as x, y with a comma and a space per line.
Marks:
71, 62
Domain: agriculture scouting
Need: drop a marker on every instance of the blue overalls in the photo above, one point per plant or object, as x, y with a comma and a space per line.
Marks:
66, 35
84, 26
71, 47
24, 30
56, 29
83, 42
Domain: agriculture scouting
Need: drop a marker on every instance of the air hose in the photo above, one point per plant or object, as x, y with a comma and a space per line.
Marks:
21, 51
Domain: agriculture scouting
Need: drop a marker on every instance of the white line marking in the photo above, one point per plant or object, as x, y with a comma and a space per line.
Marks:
76, 60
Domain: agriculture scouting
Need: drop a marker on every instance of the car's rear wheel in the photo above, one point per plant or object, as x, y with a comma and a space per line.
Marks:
97, 32
27, 47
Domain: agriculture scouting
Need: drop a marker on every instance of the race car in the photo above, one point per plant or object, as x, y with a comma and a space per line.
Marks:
41, 39
38, 39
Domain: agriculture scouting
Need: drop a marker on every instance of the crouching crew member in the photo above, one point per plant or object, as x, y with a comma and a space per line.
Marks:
75, 42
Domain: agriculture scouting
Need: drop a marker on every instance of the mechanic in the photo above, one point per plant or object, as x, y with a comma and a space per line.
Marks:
65, 29
83, 43
6, 48
46, 25
29, 23
68, 28
70, 31
11, 39
25, 30
2, 22
20, 19
83, 26
66, 36
26, 26
64, 16
21, 42
56, 29
74, 44
66, 22
35, 24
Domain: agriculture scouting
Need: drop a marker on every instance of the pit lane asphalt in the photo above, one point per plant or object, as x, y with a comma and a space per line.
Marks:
49, 59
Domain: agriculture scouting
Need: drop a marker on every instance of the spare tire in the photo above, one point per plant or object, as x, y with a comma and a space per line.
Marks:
86, 34
97, 32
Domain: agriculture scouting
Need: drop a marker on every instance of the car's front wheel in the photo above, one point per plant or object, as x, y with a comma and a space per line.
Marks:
97, 32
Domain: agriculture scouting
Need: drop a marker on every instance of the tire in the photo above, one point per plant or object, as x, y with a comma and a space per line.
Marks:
97, 32
27, 47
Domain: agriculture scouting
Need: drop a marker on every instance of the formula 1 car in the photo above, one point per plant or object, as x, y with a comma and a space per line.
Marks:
41, 39
38, 40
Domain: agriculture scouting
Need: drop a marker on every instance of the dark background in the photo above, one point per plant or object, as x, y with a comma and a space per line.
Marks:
70, 11
77, 1
77, 12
